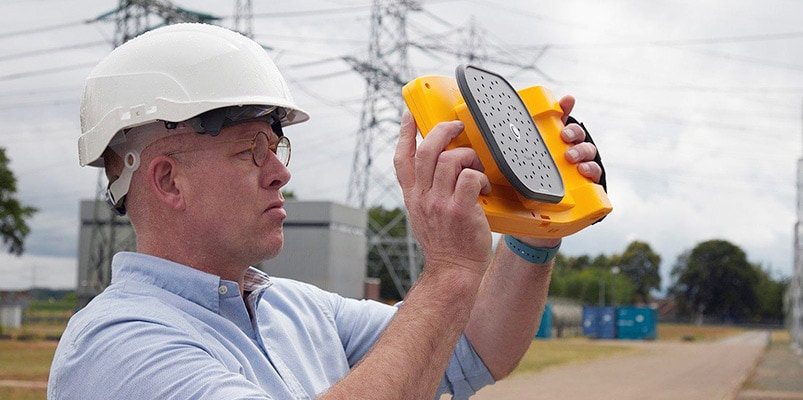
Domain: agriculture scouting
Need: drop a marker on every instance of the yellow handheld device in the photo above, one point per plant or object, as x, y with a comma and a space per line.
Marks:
515, 135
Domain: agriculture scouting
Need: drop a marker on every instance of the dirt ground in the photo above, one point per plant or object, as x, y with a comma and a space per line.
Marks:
663, 370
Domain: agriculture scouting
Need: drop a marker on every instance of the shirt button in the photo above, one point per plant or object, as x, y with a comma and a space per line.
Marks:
222, 289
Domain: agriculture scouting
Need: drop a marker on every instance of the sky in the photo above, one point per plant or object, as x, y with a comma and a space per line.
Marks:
696, 107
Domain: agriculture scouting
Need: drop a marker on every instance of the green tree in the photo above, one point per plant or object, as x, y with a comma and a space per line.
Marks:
584, 279
13, 227
715, 279
641, 264
770, 297
565, 264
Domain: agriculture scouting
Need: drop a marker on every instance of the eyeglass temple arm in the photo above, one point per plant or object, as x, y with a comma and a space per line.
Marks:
277, 128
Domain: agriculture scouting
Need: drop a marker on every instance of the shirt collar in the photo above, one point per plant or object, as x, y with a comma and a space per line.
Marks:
194, 285
255, 279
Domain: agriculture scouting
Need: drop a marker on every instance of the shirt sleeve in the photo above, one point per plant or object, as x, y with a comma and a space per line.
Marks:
465, 374
361, 322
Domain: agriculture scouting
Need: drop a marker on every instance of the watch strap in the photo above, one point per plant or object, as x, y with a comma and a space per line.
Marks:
535, 255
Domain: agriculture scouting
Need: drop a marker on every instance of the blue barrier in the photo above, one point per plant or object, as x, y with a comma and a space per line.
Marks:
599, 322
545, 329
636, 323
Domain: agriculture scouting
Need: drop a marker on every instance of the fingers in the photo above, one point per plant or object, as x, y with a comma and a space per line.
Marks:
581, 152
583, 155
441, 188
470, 183
454, 168
567, 105
428, 153
573, 134
403, 159
429, 167
590, 170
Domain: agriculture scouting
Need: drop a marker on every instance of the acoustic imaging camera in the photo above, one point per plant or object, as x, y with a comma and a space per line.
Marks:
535, 191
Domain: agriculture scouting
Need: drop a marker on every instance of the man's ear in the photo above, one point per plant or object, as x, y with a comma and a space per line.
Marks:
163, 182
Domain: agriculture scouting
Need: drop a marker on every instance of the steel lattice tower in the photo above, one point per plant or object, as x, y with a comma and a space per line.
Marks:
390, 243
794, 299
134, 17
111, 233
244, 17
373, 180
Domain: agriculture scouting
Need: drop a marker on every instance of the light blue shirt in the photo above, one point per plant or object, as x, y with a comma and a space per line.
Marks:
164, 330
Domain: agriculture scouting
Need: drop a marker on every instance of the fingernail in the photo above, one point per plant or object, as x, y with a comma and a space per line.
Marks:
407, 117
585, 168
569, 133
573, 154
460, 127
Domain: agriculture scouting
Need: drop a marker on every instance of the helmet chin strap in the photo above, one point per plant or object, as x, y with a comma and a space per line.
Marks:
129, 145
117, 190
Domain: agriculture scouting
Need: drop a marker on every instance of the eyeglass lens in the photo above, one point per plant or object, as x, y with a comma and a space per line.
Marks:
262, 146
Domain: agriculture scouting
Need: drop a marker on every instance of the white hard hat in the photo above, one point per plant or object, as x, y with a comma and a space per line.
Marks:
174, 74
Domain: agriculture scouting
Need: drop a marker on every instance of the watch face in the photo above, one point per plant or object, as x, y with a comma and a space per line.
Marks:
510, 134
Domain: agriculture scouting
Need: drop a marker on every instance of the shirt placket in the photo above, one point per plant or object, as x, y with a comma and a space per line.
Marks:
286, 374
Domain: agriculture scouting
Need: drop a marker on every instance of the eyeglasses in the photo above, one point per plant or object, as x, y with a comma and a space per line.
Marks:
261, 145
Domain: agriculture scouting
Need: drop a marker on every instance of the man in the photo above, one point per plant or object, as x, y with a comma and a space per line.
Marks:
187, 121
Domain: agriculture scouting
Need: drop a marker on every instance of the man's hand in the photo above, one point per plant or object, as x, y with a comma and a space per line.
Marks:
581, 153
440, 189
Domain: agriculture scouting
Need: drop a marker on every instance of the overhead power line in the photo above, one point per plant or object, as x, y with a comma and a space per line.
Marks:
307, 13
684, 43
32, 53
28, 74
41, 29
676, 42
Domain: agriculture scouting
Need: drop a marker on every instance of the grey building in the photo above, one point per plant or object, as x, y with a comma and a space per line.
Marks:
325, 245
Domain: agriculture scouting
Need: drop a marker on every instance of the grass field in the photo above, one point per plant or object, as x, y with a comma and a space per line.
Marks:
25, 361
26, 353
690, 332
547, 353
15, 393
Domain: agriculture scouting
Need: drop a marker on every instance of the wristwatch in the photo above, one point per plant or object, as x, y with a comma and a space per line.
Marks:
535, 255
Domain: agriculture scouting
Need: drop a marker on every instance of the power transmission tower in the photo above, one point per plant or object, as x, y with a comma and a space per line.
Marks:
391, 245
372, 178
134, 17
472, 50
244, 17
110, 233
794, 294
